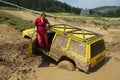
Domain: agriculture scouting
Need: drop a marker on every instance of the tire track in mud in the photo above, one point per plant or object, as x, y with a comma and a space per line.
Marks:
12, 59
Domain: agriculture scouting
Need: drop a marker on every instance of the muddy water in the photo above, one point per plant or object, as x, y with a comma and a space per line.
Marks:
110, 71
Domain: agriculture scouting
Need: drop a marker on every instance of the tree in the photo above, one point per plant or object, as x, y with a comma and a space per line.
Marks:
45, 5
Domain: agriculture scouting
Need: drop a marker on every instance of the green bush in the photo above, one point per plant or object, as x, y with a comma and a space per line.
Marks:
3, 19
12, 22
105, 27
82, 20
96, 23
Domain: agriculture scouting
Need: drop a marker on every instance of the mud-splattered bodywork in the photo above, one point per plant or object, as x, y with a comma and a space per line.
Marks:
76, 45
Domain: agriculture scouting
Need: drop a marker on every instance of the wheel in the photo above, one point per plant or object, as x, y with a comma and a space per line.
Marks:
67, 65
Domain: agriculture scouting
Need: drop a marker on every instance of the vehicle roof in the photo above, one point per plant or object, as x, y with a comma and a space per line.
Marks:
74, 32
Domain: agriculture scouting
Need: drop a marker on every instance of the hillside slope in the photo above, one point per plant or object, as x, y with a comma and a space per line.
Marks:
106, 8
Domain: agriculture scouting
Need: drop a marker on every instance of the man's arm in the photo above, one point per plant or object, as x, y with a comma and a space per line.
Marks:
48, 25
36, 24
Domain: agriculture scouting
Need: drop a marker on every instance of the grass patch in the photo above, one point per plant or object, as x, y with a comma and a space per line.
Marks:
18, 23
82, 20
62, 14
105, 27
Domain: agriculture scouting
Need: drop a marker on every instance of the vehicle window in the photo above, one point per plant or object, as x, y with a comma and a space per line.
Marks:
97, 48
78, 48
61, 41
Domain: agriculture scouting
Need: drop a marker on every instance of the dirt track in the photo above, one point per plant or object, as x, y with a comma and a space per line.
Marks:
15, 65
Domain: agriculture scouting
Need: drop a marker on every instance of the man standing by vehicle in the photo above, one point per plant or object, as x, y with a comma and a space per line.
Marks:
41, 24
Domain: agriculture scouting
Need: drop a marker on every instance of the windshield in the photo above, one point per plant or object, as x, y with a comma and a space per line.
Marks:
97, 48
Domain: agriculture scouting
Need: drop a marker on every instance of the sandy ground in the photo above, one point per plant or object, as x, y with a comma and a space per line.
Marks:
16, 65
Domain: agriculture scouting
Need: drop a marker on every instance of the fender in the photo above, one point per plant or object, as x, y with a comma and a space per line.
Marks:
28, 33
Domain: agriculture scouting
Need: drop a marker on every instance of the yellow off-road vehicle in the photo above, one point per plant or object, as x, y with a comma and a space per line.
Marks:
71, 47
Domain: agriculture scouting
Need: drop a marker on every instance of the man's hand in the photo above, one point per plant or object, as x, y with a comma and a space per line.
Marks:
47, 26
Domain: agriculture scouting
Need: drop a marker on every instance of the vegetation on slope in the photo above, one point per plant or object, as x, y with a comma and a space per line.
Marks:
18, 23
107, 11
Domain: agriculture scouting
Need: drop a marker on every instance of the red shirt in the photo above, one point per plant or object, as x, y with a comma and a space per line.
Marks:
39, 23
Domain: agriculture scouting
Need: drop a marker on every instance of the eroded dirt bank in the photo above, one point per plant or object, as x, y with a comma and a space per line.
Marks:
12, 60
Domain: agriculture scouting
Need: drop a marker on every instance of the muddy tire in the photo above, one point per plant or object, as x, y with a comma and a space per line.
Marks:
67, 65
